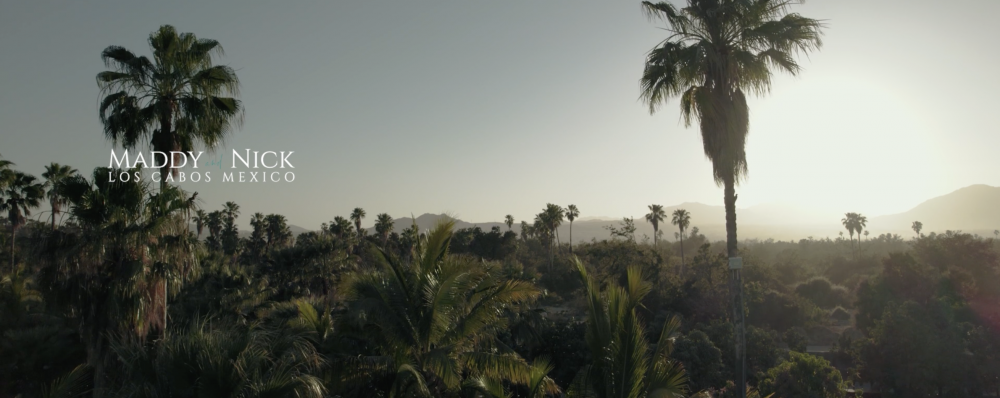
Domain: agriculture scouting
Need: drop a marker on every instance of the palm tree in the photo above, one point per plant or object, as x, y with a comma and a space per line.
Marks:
717, 51
177, 99
917, 226
655, 216
866, 235
509, 220
252, 362
277, 232
682, 219
383, 226
624, 364
996, 233
230, 233
132, 243
433, 321
341, 227
554, 216
200, 217
6, 174
54, 175
571, 214
850, 222
860, 223
20, 195
356, 216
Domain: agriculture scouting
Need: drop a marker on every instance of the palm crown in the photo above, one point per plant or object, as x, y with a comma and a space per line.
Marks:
434, 320
717, 51
173, 101
54, 175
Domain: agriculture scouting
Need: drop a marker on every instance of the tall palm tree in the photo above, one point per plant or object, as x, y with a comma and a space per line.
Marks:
21, 194
682, 219
717, 51
655, 216
54, 175
571, 214
357, 215
624, 365
383, 226
509, 220
433, 321
917, 226
177, 99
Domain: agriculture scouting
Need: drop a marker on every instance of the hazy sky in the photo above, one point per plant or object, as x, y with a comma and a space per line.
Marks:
487, 108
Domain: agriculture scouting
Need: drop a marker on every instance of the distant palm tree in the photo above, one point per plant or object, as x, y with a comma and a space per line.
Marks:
526, 231
200, 218
682, 219
866, 235
230, 232
21, 194
917, 226
173, 101
341, 227
860, 224
356, 216
277, 232
383, 226
571, 214
554, 216
996, 233
854, 222
509, 220
848, 223
214, 223
656, 216
54, 176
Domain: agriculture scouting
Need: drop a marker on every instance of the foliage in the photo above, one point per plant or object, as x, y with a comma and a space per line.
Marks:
803, 376
624, 365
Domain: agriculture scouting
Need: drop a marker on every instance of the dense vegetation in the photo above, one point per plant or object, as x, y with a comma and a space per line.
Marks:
138, 292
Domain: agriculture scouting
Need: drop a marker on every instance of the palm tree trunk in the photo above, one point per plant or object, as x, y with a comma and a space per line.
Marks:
53, 219
170, 145
571, 237
165, 293
736, 287
683, 261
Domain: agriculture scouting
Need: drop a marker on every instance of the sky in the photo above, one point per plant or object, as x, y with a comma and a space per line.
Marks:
482, 109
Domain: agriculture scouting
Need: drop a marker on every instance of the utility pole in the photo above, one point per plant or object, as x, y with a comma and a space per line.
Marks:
736, 290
